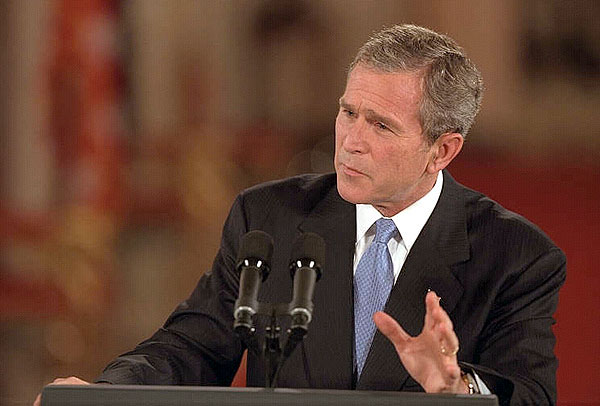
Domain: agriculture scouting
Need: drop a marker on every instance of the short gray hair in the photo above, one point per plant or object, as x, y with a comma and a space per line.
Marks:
452, 85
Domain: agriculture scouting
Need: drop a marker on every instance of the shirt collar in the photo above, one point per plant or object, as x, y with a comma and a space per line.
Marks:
409, 221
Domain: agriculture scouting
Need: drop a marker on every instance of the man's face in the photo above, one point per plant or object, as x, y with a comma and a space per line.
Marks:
381, 154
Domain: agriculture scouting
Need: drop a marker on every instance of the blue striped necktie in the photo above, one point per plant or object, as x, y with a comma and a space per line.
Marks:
373, 281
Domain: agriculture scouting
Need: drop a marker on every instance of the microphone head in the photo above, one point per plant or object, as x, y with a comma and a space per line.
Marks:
311, 247
257, 246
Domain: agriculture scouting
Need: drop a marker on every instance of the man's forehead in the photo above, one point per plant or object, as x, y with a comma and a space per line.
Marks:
408, 83
384, 89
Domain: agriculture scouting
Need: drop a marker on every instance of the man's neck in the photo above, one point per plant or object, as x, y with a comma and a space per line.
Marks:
391, 209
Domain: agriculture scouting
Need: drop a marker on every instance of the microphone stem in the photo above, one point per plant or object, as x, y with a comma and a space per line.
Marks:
272, 349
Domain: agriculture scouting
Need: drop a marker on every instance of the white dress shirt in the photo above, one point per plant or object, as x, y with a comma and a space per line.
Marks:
409, 223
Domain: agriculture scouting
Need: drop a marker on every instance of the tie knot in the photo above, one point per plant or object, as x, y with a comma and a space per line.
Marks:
385, 230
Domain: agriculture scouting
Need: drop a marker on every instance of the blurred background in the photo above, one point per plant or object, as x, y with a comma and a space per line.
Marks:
128, 127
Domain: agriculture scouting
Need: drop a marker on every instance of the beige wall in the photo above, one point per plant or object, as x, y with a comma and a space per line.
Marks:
307, 75
28, 176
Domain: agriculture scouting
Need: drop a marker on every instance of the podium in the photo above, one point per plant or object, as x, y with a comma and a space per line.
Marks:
129, 395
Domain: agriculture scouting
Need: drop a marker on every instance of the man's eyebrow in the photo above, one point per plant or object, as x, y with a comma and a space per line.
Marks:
345, 104
372, 115
387, 120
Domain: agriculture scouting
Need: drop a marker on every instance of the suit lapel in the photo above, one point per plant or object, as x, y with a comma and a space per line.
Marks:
329, 343
441, 245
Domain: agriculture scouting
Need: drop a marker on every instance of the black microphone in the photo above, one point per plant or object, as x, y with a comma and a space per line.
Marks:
308, 254
253, 263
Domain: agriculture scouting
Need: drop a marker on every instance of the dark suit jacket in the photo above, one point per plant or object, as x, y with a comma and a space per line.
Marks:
498, 276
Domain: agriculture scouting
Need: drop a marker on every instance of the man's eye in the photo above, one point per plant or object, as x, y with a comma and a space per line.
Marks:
381, 126
349, 113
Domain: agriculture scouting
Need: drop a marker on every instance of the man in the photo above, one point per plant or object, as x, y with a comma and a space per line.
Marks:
467, 288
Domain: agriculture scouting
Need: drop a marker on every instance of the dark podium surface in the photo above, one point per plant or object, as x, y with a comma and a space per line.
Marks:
126, 395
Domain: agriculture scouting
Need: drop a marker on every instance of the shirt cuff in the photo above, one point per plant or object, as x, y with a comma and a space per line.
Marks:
483, 389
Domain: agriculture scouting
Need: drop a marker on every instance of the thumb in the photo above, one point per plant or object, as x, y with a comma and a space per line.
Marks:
391, 329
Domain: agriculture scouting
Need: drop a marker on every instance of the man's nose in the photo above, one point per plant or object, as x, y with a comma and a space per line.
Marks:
355, 139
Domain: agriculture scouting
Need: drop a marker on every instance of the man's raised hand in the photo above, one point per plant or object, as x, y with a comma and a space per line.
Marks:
430, 357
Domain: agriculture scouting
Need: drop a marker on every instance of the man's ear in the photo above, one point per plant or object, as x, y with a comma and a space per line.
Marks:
444, 149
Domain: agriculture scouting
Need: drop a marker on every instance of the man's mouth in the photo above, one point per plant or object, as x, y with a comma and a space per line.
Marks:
350, 171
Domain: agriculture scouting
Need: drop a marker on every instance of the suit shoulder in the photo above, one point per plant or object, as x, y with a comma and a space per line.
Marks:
508, 229
295, 194
306, 185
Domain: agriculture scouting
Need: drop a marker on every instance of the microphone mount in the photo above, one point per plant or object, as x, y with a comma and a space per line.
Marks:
271, 350
308, 253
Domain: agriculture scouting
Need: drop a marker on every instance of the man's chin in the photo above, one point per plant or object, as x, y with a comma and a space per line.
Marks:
351, 193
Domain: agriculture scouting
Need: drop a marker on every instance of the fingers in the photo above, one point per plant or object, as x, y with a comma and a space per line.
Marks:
72, 380
437, 322
430, 357
432, 301
440, 324
390, 328
443, 333
448, 339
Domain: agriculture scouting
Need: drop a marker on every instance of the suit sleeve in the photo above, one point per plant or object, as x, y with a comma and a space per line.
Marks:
196, 345
516, 348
